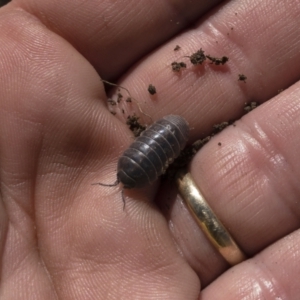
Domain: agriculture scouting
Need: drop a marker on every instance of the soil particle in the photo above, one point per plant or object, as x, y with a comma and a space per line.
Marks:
198, 57
218, 61
152, 89
242, 77
177, 66
134, 125
250, 106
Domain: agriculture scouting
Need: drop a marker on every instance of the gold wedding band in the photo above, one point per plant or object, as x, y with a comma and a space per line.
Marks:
207, 220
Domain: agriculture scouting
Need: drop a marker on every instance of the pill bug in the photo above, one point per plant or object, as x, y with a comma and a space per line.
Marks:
151, 153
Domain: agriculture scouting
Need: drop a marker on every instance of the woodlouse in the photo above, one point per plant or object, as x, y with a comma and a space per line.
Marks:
150, 154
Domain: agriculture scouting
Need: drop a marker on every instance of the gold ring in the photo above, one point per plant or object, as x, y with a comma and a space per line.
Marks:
207, 220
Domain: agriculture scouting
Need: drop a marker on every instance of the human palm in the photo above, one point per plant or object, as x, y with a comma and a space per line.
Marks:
64, 238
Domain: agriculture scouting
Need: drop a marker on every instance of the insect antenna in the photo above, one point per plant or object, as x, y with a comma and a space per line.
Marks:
111, 185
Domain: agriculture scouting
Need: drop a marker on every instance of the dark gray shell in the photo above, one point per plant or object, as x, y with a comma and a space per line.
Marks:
151, 153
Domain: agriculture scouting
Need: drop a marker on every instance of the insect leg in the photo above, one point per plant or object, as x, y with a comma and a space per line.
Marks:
123, 198
104, 184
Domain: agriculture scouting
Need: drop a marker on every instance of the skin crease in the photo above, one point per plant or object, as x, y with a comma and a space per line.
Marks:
61, 237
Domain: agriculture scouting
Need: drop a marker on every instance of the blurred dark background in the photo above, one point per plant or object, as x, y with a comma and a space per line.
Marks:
3, 2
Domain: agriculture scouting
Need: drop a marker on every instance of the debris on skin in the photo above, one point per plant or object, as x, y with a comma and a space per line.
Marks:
198, 57
218, 61
177, 66
177, 48
242, 77
134, 125
250, 106
111, 102
120, 96
151, 89
219, 127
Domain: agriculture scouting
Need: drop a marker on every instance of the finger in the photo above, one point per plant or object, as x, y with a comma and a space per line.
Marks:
272, 274
113, 35
248, 176
206, 94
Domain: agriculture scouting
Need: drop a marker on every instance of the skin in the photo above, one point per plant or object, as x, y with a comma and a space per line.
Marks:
61, 237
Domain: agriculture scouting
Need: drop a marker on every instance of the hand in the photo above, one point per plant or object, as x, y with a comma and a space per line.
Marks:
62, 237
